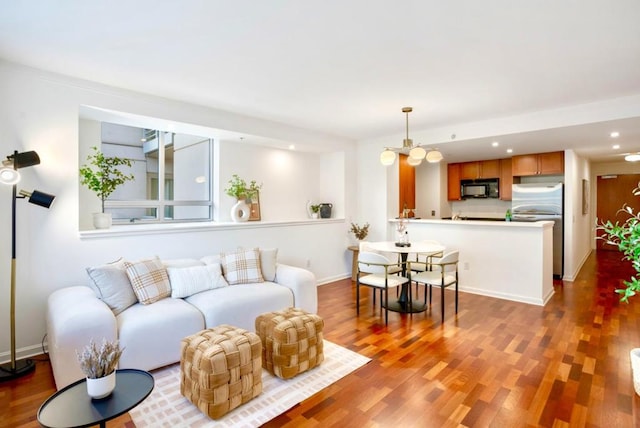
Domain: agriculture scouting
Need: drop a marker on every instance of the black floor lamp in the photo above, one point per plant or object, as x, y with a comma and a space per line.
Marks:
9, 175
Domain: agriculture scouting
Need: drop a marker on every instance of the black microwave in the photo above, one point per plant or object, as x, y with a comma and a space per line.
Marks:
470, 189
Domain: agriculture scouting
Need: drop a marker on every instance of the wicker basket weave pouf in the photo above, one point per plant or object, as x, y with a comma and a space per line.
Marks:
220, 369
291, 341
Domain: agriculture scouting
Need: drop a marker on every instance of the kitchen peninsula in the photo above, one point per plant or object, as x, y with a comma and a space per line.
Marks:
507, 260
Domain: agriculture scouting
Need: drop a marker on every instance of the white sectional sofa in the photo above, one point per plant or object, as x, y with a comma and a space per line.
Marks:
150, 326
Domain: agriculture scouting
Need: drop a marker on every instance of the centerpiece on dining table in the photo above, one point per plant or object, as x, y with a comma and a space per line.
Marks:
403, 233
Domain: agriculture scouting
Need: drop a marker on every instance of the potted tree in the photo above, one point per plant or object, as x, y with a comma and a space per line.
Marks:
102, 176
243, 193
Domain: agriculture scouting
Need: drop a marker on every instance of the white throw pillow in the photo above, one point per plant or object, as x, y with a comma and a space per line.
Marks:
111, 284
242, 267
268, 257
149, 280
186, 281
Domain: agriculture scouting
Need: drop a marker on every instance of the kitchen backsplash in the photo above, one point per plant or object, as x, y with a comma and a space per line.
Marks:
480, 208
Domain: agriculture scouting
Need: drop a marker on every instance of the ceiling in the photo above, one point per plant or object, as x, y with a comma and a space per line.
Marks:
346, 68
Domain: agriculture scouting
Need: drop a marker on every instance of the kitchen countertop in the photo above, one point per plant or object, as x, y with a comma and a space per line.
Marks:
476, 221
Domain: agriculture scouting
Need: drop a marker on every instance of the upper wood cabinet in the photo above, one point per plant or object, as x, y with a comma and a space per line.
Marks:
453, 182
480, 169
551, 163
506, 179
407, 180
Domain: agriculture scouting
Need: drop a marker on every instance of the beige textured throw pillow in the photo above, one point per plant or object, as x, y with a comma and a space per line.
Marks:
149, 280
242, 266
111, 284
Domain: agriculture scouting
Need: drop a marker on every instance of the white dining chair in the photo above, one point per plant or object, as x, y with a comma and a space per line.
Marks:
443, 274
375, 271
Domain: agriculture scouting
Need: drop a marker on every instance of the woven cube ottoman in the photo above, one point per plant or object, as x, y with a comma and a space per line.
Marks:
220, 369
291, 341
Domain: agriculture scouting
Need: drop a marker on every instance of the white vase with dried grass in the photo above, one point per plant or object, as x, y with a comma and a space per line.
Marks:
99, 366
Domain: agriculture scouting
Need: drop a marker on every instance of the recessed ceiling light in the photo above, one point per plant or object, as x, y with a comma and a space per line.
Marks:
509, 150
616, 146
292, 147
495, 144
633, 157
614, 134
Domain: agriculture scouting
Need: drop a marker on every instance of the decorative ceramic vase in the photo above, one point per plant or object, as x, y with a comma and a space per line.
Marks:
634, 355
241, 211
102, 220
101, 387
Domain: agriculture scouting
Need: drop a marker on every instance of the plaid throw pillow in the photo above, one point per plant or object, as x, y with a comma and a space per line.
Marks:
242, 267
149, 280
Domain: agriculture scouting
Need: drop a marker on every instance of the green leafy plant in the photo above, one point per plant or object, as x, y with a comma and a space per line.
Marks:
315, 208
239, 189
626, 237
360, 232
99, 362
102, 174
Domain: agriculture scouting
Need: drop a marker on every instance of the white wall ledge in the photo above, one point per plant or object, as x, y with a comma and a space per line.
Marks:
166, 228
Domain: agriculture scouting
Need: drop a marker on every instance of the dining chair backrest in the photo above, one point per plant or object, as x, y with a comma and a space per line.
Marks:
370, 262
365, 246
448, 261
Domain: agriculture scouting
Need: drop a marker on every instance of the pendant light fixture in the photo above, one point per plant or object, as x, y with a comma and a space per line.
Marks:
416, 153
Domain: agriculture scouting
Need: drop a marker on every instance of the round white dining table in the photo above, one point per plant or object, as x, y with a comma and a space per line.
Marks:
404, 304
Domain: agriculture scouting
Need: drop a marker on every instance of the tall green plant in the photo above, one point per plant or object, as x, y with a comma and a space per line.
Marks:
102, 174
626, 237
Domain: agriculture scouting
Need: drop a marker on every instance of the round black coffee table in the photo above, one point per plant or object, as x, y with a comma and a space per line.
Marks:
72, 406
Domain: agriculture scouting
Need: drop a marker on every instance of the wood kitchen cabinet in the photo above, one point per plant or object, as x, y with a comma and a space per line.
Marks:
453, 182
506, 179
480, 169
407, 180
551, 163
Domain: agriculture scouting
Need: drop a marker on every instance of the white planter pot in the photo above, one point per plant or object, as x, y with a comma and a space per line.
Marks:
241, 211
314, 215
634, 355
102, 220
101, 387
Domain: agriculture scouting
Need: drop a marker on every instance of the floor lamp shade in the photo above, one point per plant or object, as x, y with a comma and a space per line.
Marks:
38, 198
16, 368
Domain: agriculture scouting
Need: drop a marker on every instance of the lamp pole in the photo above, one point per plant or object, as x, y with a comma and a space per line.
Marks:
15, 368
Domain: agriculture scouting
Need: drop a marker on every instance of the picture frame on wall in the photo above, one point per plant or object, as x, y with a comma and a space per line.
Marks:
585, 196
254, 207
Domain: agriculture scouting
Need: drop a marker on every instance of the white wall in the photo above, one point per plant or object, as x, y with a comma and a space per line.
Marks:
577, 226
39, 111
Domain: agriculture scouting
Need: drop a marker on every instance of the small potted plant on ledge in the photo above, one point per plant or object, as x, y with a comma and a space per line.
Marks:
315, 209
243, 193
103, 176
99, 366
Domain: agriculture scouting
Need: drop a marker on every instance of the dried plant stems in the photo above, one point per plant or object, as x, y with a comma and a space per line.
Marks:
99, 362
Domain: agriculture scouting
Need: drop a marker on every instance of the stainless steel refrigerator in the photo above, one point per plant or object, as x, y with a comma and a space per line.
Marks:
542, 201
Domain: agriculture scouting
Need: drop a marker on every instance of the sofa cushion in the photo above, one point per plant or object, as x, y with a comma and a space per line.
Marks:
268, 259
189, 280
240, 304
149, 280
242, 266
111, 284
151, 334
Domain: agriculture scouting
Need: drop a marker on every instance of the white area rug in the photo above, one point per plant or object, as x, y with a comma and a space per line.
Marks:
165, 407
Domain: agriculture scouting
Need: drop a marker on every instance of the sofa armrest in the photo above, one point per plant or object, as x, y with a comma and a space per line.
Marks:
303, 284
75, 316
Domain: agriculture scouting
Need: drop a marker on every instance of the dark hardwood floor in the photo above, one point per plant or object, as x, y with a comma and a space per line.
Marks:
496, 364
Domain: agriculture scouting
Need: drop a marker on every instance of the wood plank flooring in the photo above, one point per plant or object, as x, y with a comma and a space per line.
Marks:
496, 364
